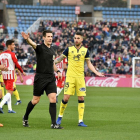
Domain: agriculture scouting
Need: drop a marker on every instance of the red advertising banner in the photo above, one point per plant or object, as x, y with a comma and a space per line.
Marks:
93, 81
111, 82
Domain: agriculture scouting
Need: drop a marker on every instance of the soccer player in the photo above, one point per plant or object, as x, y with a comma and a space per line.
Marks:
1, 78
75, 76
62, 66
8, 58
15, 92
44, 79
1, 86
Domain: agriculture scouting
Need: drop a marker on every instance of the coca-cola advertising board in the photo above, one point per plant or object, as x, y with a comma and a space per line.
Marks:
111, 82
93, 81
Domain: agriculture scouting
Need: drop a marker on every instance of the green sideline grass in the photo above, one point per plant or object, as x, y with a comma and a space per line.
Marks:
110, 113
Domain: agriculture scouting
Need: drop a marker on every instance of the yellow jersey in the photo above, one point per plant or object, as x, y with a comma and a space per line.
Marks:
76, 58
1, 77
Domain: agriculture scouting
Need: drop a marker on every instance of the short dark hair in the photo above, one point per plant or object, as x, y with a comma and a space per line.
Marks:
46, 31
9, 42
79, 33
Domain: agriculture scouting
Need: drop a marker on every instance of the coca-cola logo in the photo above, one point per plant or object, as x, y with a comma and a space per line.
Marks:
107, 82
137, 82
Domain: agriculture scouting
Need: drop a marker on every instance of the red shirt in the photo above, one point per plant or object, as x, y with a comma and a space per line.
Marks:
9, 59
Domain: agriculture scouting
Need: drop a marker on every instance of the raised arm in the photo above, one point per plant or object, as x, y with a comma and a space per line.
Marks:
29, 41
91, 67
59, 59
19, 73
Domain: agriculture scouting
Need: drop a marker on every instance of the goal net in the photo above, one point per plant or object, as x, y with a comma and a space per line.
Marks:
136, 72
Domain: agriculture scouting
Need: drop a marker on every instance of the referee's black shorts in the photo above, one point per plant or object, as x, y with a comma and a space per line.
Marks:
44, 82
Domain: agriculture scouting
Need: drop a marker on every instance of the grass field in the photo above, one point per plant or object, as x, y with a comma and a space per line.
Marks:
110, 113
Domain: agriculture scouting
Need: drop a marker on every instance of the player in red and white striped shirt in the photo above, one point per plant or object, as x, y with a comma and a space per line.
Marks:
62, 66
8, 58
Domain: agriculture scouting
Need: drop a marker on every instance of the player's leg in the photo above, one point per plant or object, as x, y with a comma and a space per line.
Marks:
16, 93
7, 97
69, 89
0, 93
81, 92
2, 87
58, 91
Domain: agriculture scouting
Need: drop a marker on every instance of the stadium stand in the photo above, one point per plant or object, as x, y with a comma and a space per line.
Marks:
112, 44
27, 14
119, 14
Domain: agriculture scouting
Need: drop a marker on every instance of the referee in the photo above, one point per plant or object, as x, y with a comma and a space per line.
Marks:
44, 79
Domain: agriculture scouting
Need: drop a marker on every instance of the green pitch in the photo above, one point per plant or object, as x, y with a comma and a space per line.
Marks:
110, 113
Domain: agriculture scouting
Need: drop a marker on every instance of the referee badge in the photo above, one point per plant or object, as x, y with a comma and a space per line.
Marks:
53, 57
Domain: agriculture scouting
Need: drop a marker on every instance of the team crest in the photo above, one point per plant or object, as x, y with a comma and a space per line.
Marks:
53, 57
66, 86
72, 51
83, 52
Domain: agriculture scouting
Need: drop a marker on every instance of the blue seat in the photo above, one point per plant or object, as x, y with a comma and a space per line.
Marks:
27, 22
95, 8
17, 14
10, 6
22, 6
20, 10
111, 12
7, 6
24, 10
34, 18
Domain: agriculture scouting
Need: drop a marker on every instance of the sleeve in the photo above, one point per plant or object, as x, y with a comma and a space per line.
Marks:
16, 62
65, 53
87, 56
38, 47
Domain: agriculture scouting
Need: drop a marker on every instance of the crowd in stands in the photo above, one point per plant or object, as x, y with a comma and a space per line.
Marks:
111, 45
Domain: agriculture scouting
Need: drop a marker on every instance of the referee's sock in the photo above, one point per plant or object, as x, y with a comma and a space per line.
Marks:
52, 110
29, 108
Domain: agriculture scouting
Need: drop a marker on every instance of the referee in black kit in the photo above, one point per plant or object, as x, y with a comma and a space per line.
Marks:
44, 79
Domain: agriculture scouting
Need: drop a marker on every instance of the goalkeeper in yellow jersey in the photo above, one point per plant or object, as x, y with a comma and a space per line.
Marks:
75, 76
15, 92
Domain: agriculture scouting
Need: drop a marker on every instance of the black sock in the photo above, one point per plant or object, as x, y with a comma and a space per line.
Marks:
29, 108
52, 110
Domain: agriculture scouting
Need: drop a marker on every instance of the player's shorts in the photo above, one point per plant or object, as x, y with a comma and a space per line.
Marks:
9, 84
1, 78
44, 82
75, 83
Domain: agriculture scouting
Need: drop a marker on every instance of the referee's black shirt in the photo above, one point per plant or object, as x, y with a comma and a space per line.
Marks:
45, 59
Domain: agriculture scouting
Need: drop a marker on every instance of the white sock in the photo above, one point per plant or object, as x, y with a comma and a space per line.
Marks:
9, 104
80, 121
59, 91
5, 99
